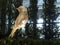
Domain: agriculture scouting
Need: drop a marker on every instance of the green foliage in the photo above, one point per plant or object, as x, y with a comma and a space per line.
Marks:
33, 16
33, 9
49, 9
3, 3
28, 41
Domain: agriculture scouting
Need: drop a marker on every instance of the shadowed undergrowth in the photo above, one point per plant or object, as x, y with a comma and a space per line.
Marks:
28, 41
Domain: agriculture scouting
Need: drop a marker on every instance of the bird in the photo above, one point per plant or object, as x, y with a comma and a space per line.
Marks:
21, 20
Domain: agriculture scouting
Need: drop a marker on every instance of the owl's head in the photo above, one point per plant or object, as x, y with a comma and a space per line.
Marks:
22, 9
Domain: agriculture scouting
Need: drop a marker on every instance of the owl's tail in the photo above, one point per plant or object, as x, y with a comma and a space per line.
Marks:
12, 33
14, 30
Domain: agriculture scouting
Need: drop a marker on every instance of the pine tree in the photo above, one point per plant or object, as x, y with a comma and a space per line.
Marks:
49, 9
33, 16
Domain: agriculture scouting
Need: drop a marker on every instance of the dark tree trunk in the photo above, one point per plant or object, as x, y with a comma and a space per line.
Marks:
33, 16
3, 20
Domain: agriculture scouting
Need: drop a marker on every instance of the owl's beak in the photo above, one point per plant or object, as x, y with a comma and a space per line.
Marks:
17, 8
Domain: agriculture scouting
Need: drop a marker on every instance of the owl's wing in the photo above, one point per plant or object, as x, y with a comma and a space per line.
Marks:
18, 20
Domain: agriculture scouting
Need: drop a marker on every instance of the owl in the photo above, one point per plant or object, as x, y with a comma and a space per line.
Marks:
21, 20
